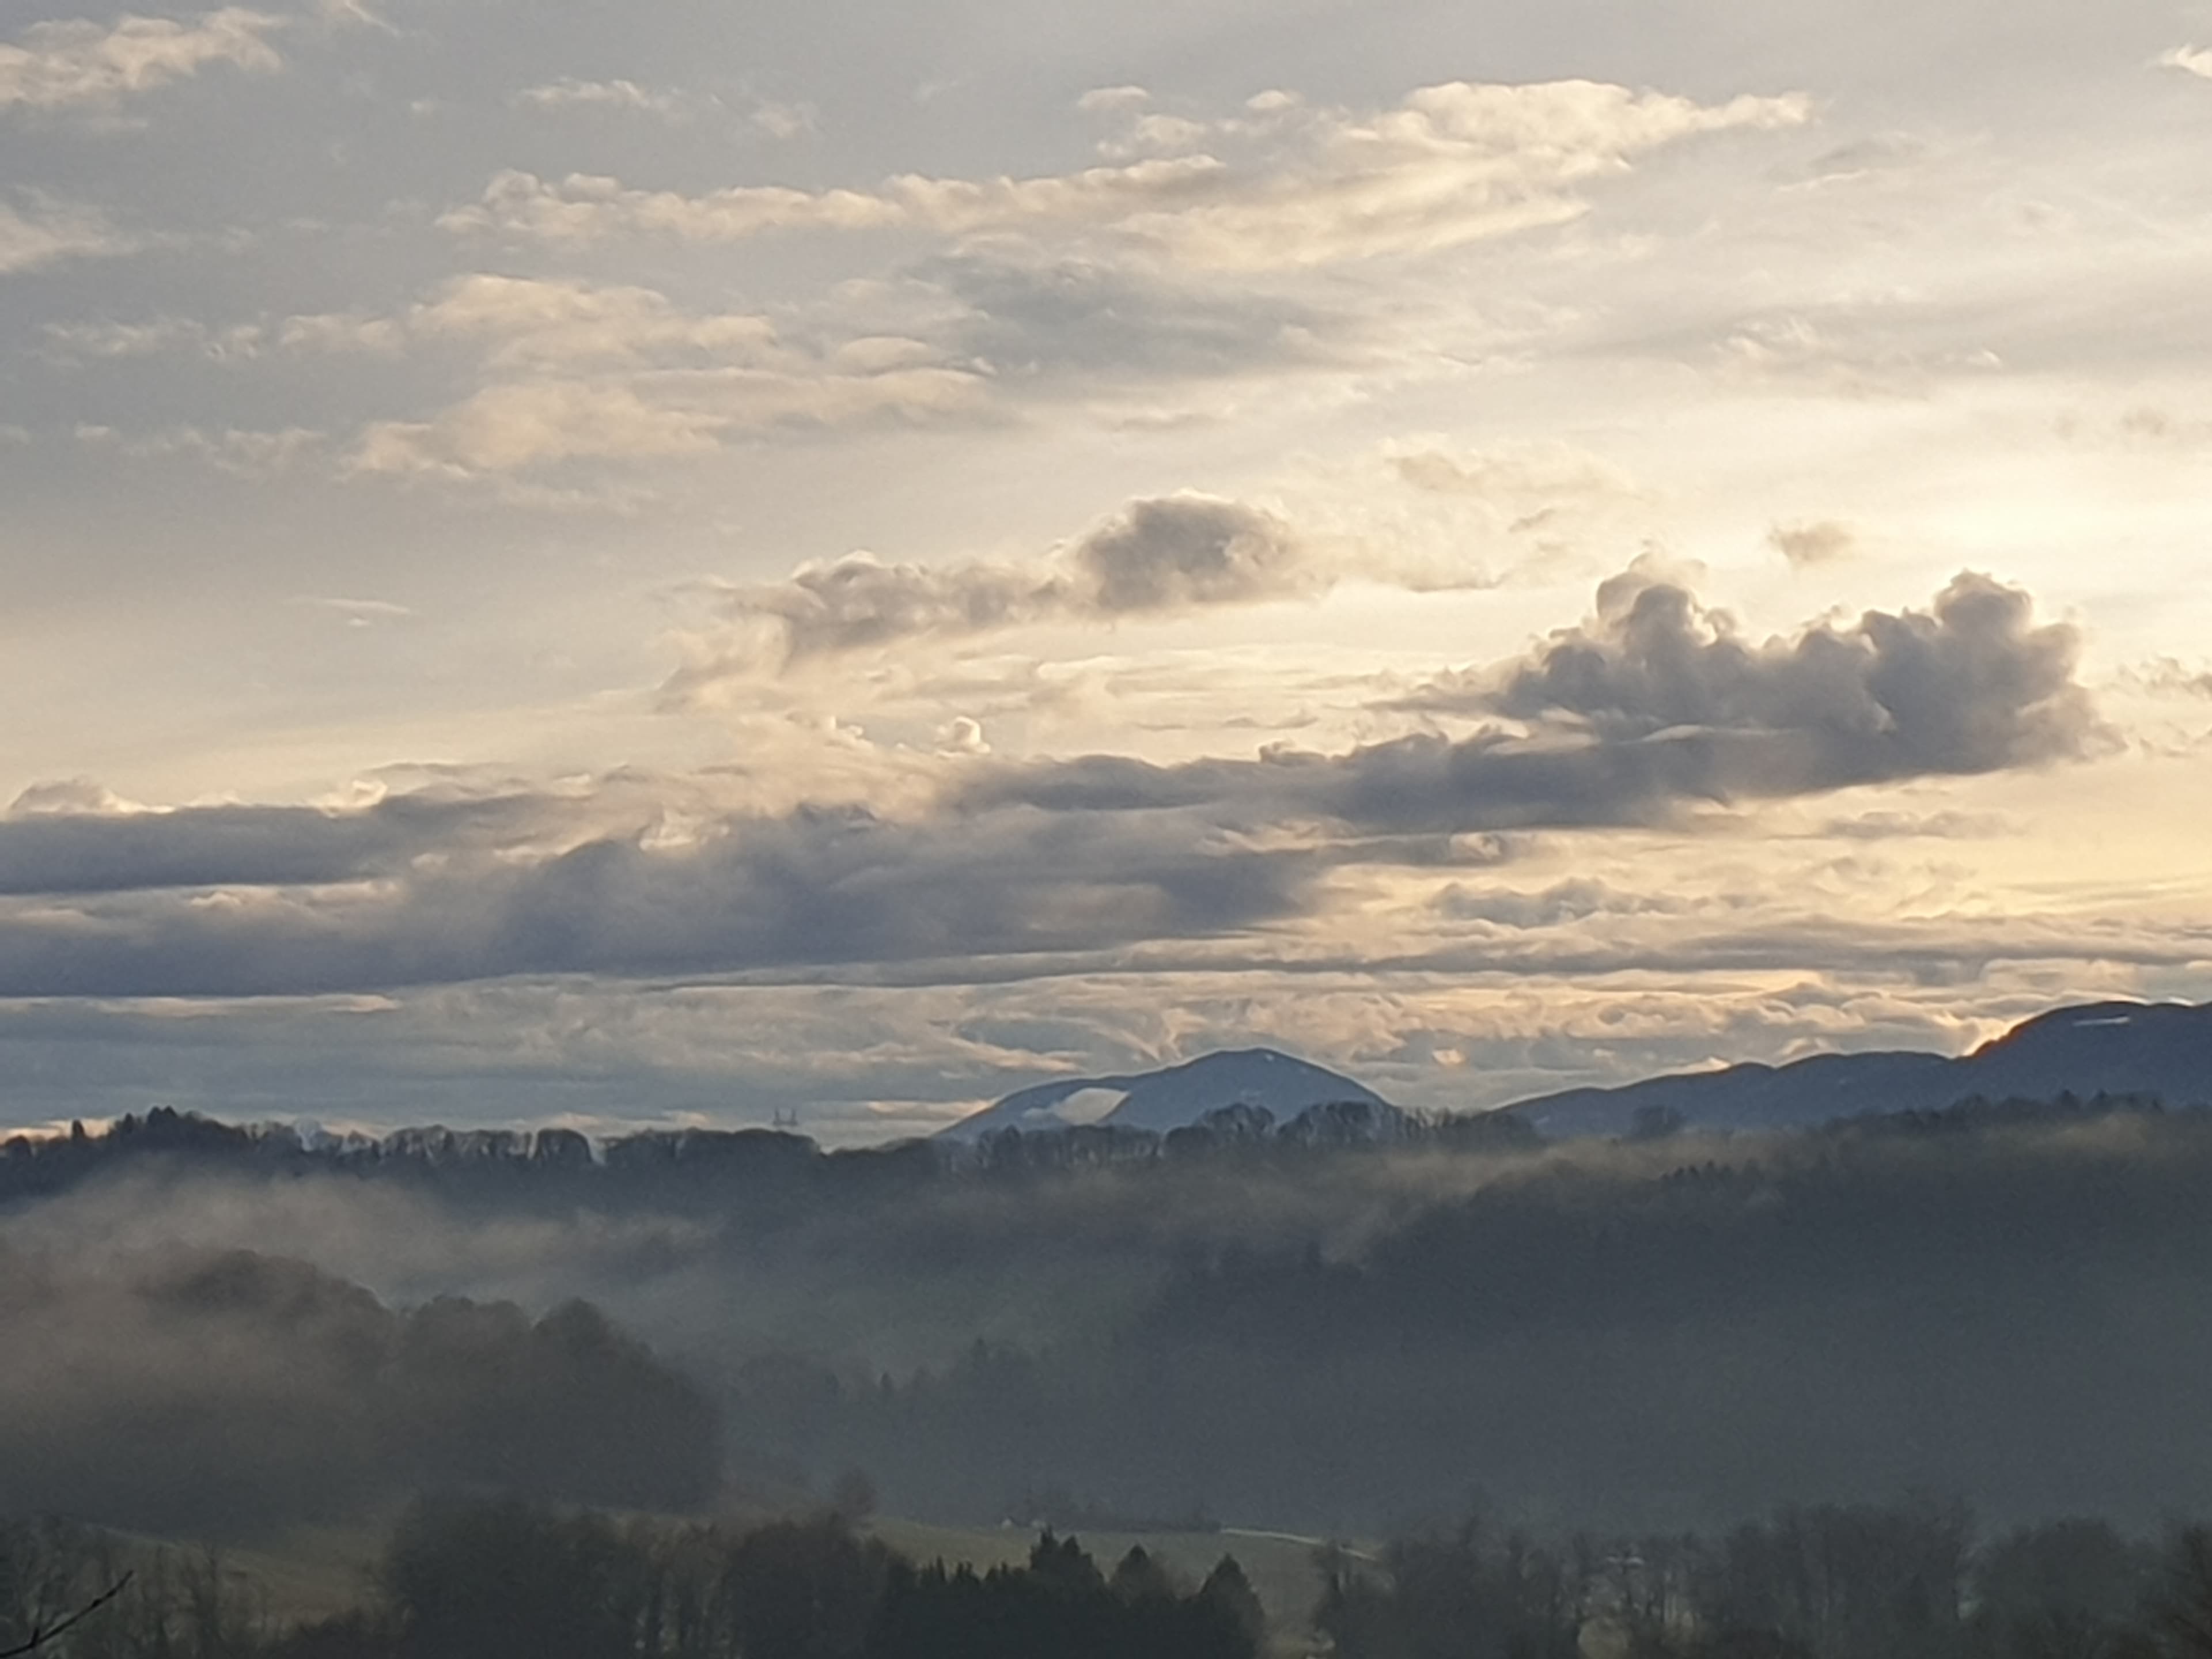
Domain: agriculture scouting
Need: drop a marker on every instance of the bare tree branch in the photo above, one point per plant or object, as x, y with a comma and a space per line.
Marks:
39, 1637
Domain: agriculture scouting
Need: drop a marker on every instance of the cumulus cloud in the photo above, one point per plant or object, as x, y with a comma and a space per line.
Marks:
1824, 542
1280, 186
43, 231
1655, 706
79, 63
1171, 554
1970, 685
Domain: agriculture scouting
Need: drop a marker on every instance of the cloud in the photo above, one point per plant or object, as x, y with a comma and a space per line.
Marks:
1542, 500
529, 322
1279, 187
521, 323
44, 231
1102, 100
112, 340
1652, 708
578, 370
2190, 60
240, 453
1826, 542
1185, 552
74, 837
79, 63
1570, 901
1655, 706
1027, 317
816, 888
357, 613
1890, 349
517, 426
575, 369
1917, 826
1886, 152
621, 96
1155, 557
1970, 685
2166, 676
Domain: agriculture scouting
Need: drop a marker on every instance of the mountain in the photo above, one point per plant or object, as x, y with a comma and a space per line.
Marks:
1181, 1096
2162, 1049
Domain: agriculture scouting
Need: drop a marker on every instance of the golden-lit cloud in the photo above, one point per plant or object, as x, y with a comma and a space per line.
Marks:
80, 65
1293, 186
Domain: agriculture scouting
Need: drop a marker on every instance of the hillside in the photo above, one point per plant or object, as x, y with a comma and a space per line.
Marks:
2159, 1050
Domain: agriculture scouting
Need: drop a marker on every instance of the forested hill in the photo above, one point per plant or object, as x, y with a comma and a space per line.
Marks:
2159, 1051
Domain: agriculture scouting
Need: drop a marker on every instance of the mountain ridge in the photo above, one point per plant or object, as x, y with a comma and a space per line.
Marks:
2112, 1047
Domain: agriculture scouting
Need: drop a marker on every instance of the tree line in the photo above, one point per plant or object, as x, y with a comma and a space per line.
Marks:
1898, 1581
511, 1580
505, 1579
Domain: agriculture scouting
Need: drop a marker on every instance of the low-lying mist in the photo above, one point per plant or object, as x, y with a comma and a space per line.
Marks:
2010, 1307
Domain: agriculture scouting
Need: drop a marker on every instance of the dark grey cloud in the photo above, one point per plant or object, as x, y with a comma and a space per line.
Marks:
816, 888
1655, 706
1155, 557
46, 850
1652, 709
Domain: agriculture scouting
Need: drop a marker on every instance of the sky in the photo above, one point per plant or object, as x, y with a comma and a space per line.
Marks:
693, 564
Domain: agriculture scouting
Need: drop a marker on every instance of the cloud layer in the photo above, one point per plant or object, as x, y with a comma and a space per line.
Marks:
1280, 185
80, 64
1652, 710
